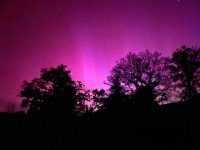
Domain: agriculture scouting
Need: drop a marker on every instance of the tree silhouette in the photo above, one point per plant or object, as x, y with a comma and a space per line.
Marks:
145, 69
116, 96
185, 70
98, 98
55, 92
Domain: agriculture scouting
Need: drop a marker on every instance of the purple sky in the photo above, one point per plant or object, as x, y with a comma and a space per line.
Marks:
87, 35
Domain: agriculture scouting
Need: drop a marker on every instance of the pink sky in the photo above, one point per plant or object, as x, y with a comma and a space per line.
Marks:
87, 35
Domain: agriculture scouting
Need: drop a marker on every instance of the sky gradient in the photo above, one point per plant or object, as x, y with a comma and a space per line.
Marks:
87, 35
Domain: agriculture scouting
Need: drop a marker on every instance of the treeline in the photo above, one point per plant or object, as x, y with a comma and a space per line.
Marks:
146, 78
127, 115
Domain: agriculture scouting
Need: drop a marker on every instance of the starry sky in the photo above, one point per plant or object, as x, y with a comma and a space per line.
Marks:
87, 35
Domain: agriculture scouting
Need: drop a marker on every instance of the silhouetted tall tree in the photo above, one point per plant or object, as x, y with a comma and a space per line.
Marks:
144, 69
185, 70
116, 95
54, 92
115, 85
82, 98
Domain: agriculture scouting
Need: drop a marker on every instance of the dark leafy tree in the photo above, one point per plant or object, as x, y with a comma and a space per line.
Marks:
145, 69
55, 92
115, 85
82, 97
185, 71
116, 95
98, 98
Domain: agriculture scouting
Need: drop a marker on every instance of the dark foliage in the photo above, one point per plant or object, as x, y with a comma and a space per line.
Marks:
116, 97
126, 116
185, 70
143, 69
55, 92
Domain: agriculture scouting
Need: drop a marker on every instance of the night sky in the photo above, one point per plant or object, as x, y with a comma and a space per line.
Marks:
87, 35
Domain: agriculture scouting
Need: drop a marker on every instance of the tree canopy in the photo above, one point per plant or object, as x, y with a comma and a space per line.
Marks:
54, 92
185, 70
145, 77
143, 69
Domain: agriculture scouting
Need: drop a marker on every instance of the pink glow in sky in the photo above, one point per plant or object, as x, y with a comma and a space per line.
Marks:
87, 35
